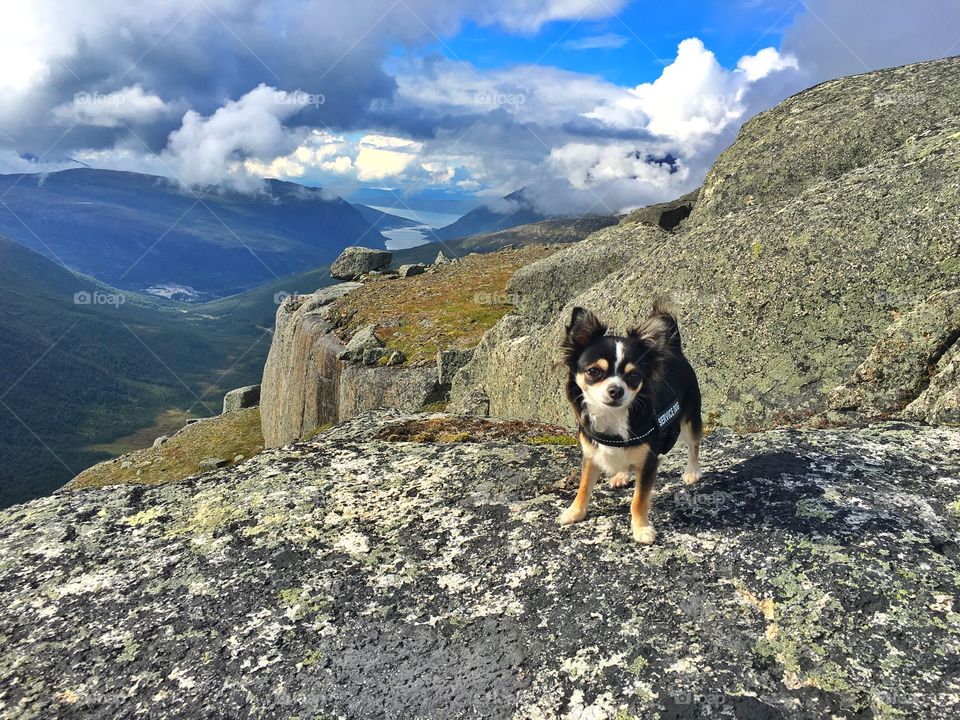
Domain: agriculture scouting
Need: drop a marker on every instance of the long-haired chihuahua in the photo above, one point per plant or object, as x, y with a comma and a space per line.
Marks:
633, 396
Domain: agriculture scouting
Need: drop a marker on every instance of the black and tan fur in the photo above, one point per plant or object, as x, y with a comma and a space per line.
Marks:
614, 386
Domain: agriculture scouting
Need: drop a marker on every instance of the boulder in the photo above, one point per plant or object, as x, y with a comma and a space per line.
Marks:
364, 347
801, 252
311, 379
212, 463
241, 398
664, 215
355, 261
160, 441
449, 362
411, 270
441, 259
809, 574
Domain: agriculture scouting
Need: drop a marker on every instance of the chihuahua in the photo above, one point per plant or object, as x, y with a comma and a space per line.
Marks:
633, 396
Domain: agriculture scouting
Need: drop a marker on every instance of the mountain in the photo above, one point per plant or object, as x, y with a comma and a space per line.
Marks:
78, 376
139, 232
82, 364
515, 209
380, 220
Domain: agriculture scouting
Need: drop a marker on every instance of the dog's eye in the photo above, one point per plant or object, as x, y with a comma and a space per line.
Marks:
594, 373
632, 378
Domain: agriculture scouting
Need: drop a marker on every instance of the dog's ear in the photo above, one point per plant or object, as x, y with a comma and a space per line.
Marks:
659, 331
584, 328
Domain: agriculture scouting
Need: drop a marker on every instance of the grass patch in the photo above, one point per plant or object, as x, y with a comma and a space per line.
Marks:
449, 308
552, 440
457, 429
317, 430
224, 436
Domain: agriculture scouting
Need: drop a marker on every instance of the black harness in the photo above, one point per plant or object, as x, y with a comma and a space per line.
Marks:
665, 424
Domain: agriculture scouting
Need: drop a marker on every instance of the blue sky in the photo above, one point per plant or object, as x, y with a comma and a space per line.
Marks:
649, 31
436, 105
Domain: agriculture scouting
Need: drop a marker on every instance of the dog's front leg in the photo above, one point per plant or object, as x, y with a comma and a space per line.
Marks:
578, 508
643, 531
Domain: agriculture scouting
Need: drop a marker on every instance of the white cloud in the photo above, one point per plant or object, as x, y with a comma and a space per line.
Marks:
695, 97
607, 41
530, 15
382, 156
214, 149
130, 105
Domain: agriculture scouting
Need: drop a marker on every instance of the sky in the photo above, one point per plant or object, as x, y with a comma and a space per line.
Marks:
429, 105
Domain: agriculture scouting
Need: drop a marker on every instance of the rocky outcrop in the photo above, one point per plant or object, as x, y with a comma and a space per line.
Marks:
900, 366
810, 574
664, 215
311, 379
244, 397
354, 262
832, 215
366, 348
411, 269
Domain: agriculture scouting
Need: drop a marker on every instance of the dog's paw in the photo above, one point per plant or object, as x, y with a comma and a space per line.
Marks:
570, 516
620, 479
644, 534
692, 477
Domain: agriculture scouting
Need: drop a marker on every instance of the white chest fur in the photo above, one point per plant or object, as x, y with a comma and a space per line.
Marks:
610, 460
613, 460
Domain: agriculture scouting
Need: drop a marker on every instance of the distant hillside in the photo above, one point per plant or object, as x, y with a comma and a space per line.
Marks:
516, 210
138, 231
82, 364
380, 220
94, 382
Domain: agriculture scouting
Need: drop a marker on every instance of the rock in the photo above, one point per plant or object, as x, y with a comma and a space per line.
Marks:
449, 362
244, 397
355, 261
364, 388
126, 464
776, 588
238, 458
326, 295
898, 367
301, 377
474, 402
540, 289
664, 215
364, 347
160, 441
212, 463
411, 270
940, 402
809, 238
441, 259
307, 384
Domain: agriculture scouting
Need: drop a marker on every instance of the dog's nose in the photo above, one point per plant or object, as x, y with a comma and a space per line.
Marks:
615, 392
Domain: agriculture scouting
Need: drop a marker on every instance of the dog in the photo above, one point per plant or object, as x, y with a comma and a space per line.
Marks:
633, 396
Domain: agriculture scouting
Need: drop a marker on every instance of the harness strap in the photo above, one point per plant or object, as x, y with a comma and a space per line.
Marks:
659, 423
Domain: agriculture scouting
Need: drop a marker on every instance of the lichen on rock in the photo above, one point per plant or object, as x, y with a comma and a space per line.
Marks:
811, 573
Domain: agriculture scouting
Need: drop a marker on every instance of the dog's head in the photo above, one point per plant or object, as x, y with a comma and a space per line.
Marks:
610, 371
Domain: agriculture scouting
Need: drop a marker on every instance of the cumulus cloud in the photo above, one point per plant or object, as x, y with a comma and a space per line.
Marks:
695, 97
382, 156
198, 90
210, 150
